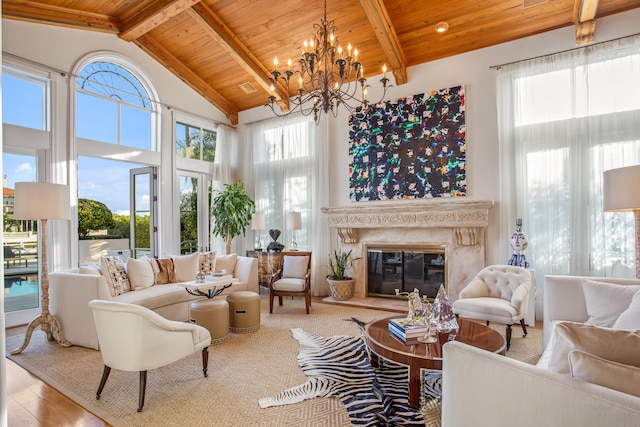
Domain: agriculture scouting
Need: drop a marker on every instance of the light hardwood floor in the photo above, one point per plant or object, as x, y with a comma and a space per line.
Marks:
31, 402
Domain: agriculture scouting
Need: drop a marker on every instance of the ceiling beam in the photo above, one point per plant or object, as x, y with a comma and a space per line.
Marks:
164, 57
152, 17
584, 16
30, 11
219, 31
387, 37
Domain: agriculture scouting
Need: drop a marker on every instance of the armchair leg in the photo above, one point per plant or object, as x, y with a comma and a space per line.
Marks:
143, 388
508, 336
103, 381
307, 301
279, 300
205, 360
271, 301
524, 327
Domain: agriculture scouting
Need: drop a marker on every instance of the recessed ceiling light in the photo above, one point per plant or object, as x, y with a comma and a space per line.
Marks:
441, 27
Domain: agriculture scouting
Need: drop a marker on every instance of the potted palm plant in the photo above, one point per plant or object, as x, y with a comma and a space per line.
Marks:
340, 285
232, 210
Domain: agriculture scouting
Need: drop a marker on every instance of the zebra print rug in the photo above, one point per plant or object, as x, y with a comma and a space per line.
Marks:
339, 366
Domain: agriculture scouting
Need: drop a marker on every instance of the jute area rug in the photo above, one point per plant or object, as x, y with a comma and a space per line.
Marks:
243, 370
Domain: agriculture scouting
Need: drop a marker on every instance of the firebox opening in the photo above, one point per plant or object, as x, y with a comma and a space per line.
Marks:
393, 269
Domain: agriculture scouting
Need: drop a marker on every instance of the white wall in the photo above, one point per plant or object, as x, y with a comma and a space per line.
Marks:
472, 70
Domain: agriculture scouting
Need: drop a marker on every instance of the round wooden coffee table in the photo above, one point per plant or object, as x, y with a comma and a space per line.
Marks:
417, 355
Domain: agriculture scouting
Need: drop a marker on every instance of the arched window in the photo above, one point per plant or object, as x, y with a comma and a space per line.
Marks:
114, 105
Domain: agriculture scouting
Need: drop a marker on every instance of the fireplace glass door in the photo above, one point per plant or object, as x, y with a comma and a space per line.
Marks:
391, 272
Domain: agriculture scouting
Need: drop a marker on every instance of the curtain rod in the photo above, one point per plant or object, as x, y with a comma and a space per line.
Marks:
497, 67
67, 73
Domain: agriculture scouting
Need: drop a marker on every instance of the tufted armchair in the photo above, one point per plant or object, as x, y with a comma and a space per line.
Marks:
498, 293
134, 338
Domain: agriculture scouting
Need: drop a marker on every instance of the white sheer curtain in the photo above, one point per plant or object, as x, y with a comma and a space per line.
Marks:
223, 171
290, 173
563, 120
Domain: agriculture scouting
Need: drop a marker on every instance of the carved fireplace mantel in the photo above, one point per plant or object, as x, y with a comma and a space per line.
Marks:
458, 223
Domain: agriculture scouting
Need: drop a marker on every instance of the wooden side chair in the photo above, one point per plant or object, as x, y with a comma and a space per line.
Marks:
293, 278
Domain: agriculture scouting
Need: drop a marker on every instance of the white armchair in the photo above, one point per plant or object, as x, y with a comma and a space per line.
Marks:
498, 293
134, 338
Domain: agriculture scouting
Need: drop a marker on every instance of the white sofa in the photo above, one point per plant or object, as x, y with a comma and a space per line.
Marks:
70, 293
484, 389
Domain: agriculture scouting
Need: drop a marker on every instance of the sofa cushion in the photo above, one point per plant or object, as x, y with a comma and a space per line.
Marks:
596, 370
140, 272
606, 301
226, 262
610, 344
186, 266
207, 262
295, 266
114, 273
630, 318
155, 297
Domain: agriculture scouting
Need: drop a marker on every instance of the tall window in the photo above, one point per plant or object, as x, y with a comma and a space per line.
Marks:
284, 169
564, 120
115, 105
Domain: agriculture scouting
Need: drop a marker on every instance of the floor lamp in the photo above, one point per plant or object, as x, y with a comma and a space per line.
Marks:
621, 191
294, 222
42, 201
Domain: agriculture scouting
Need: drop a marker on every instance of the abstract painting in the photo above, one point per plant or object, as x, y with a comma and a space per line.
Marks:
409, 148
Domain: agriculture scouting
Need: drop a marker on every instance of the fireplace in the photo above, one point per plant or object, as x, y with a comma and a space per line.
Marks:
395, 269
456, 225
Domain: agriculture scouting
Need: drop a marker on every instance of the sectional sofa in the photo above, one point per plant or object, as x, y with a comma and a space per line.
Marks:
71, 290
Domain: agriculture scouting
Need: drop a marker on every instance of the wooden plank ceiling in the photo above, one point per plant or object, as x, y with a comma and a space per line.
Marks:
222, 48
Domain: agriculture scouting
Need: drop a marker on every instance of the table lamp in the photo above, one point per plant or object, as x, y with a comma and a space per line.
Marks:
257, 224
42, 201
621, 191
294, 222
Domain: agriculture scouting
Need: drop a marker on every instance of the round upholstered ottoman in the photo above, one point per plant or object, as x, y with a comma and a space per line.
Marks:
212, 314
244, 311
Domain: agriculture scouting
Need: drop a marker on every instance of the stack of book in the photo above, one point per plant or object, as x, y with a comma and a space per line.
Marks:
402, 330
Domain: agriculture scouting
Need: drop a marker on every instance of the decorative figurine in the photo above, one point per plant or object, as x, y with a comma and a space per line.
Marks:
200, 276
275, 246
519, 243
443, 313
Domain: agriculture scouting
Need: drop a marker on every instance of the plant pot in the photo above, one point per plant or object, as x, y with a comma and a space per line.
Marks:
341, 289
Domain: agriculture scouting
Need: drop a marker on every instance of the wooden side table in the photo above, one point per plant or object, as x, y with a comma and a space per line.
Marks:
267, 265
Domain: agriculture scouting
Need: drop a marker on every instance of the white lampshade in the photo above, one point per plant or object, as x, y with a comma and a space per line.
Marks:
41, 200
294, 221
257, 221
621, 189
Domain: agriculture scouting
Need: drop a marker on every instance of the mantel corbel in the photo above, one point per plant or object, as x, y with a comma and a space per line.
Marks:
348, 235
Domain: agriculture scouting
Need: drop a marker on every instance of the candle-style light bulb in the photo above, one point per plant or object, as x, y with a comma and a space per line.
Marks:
349, 49
275, 63
306, 47
272, 90
300, 82
289, 64
331, 39
384, 71
355, 54
339, 51
364, 94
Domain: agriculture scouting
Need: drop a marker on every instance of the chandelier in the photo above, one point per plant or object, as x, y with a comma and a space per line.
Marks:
327, 77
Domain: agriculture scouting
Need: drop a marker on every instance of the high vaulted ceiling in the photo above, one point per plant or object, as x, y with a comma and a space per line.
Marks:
224, 49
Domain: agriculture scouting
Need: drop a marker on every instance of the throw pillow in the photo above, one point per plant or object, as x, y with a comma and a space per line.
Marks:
295, 266
186, 266
113, 271
226, 262
140, 272
610, 344
606, 301
207, 262
89, 269
596, 370
166, 273
630, 318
